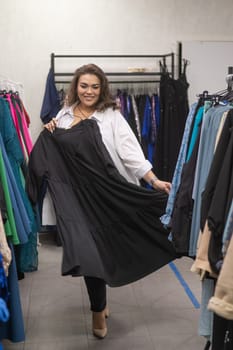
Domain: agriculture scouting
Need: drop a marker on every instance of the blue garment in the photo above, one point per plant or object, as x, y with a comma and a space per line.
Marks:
51, 101
128, 105
13, 329
210, 125
146, 130
206, 316
4, 313
228, 230
3, 284
179, 165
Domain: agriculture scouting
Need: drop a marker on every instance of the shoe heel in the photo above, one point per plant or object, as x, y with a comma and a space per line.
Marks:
100, 333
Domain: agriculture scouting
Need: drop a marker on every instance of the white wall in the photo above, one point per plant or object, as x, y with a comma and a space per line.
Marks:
31, 30
209, 65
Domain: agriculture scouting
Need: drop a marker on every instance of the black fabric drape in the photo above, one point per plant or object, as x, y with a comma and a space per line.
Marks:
109, 228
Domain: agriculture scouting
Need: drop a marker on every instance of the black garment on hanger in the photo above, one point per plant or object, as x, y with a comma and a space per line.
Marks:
109, 228
3, 204
181, 218
174, 110
131, 118
214, 178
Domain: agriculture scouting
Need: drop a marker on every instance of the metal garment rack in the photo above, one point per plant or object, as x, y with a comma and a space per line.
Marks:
229, 78
129, 77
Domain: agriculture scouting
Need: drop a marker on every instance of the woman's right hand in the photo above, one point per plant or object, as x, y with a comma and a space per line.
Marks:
50, 126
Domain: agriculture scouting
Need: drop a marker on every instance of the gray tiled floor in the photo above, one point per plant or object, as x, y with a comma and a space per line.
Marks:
154, 313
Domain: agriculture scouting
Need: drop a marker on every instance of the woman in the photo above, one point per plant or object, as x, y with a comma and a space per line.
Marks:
109, 225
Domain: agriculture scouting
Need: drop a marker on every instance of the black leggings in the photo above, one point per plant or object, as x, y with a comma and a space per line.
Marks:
96, 288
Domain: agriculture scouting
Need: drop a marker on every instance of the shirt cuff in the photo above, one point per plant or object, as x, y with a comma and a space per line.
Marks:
147, 166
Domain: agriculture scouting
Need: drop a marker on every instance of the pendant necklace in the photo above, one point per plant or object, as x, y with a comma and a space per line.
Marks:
85, 116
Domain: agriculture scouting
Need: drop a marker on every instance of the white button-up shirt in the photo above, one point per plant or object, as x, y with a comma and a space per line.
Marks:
119, 140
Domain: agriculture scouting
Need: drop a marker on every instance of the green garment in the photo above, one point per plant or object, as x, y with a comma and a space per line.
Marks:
10, 227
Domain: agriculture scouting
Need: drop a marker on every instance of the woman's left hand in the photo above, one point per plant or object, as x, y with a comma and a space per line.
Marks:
162, 186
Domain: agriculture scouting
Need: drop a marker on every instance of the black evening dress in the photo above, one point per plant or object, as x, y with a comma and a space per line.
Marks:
109, 228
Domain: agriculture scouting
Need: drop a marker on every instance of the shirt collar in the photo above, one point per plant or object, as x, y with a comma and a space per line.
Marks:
98, 116
69, 110
65, 110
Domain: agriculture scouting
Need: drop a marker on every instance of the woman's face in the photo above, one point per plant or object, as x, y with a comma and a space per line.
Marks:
88, 90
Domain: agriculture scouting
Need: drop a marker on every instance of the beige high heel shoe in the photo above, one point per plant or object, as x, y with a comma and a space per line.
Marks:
99, 326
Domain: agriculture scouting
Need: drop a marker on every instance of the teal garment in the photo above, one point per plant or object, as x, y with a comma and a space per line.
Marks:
196, 127
195, 131
207, 105
27, 260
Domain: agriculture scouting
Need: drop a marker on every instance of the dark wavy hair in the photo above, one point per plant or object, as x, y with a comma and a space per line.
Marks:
105, 98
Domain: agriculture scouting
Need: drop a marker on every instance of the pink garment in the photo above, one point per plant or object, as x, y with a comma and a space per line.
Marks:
28, 146
25, 130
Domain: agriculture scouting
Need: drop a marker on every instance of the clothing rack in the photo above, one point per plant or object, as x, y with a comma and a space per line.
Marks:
9, 86
229, 78
129, 77
220, 94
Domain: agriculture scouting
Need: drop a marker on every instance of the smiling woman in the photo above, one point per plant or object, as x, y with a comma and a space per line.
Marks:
109, 225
